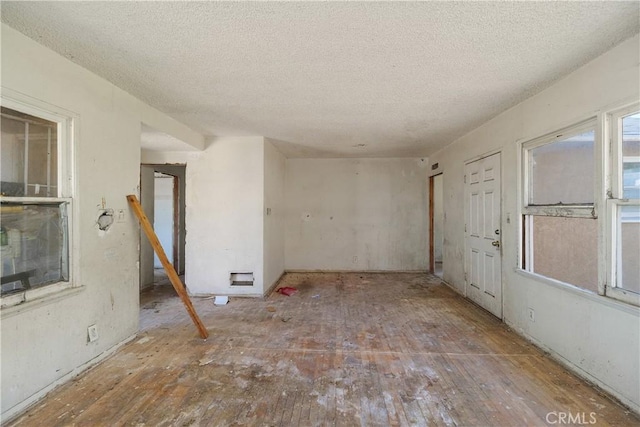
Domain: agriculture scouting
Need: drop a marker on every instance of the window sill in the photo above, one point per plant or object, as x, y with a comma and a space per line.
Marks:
14, 304
600, 299
623, 295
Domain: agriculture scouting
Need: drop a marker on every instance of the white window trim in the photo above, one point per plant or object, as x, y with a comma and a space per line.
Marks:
608, 184
616, 161
67, 130
614, 200
569, 211
614, 262
525, 258
549, 138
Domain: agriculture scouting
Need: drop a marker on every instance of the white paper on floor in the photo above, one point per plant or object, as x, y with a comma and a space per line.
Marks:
221, 300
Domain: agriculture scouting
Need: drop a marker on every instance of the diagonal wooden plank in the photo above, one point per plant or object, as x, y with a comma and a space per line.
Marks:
171, 272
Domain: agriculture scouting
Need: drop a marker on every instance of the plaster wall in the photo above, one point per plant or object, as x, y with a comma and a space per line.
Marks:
224, 213
274, 207
44, 341
595, 336
356, 214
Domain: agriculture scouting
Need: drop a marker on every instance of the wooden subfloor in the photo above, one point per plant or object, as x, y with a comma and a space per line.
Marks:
347, 349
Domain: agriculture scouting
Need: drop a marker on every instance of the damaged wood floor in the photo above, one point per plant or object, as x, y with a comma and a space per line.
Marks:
347, 349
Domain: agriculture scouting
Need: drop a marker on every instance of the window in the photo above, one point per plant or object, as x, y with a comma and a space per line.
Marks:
581, 205
35, 198
624, 205
559, 215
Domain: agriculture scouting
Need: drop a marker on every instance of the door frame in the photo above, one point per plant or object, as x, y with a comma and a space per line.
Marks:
176, 224
466, 233
179, 210
175, 219
178, 172
432, 260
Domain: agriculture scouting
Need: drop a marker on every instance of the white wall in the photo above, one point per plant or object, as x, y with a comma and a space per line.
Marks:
274, 170
595, 336
45, 341
356, 214
224, 213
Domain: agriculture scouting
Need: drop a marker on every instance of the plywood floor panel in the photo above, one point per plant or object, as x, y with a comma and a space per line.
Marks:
348, 349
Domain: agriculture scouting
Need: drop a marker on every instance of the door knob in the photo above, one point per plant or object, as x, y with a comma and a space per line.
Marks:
496, 243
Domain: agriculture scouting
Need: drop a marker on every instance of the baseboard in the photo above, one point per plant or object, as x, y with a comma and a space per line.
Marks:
611, 393
356, 271
26, 404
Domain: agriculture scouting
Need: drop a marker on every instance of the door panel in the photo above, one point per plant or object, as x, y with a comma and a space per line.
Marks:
482, 237
475, 268
488, 215
489, 274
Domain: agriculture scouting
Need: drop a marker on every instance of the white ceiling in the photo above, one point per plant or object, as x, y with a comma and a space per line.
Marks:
336, 79
154, 140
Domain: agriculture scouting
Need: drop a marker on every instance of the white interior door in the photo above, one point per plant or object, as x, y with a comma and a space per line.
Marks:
482, 232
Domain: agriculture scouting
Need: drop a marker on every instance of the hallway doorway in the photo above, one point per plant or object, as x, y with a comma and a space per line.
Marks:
162, 196
436, 226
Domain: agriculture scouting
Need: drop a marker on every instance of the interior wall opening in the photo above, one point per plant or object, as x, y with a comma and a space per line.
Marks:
436, 218
162, 196
163, 223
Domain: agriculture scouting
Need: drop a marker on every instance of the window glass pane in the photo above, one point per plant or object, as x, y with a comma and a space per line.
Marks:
33, 245
565, 249
629, 248
631, 156
562, 172
29, 150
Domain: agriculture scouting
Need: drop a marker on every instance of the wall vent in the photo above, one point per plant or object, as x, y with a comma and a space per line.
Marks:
241, 279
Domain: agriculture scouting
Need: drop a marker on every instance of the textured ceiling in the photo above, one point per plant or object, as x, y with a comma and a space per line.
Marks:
337, 79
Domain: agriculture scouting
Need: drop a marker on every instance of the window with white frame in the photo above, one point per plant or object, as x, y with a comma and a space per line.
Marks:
559, 211
35, 198
623, 203
565, 180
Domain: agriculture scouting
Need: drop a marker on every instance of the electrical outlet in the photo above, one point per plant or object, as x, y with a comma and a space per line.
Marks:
532, 315
120, 215
93, 333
